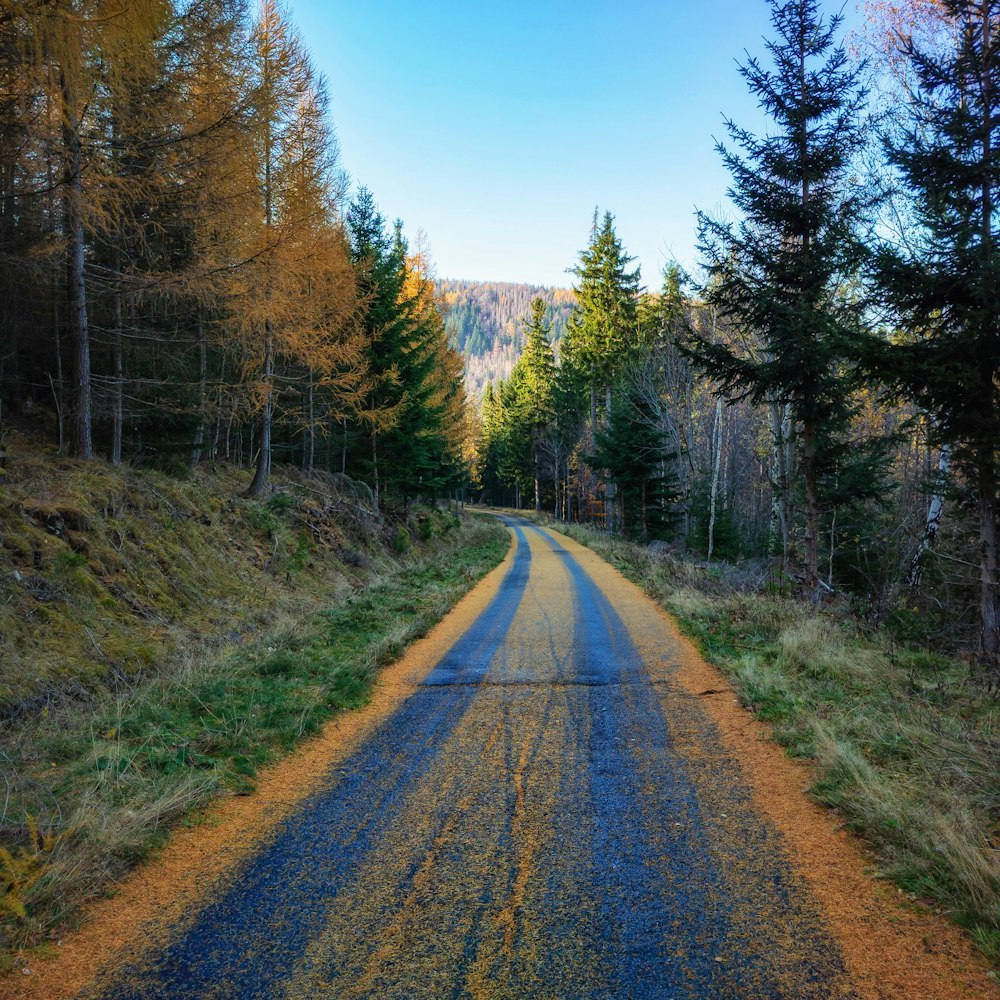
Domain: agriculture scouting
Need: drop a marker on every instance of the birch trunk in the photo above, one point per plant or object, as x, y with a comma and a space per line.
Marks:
716, 464
934, 511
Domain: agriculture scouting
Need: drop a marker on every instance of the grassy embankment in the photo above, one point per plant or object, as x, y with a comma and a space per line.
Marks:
163, 638
903, 743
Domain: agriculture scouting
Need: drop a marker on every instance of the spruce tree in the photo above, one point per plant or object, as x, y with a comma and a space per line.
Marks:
776, 274
380, 265
537, 402
605, 320
944, 283
632, 451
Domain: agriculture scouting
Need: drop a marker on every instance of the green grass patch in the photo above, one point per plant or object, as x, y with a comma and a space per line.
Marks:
107, 778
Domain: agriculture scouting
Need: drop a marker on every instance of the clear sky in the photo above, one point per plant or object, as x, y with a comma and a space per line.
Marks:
497, 127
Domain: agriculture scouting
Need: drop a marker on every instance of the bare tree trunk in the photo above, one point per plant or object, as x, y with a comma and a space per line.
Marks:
118, 392
264, 454
611, 489
933, 522
343, 451
310, 452
375, 471
716, 462
782, 454
538, 484
199, 434
645, 516
81, 434
60, 387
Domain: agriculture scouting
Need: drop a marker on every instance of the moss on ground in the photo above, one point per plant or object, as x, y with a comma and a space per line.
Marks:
186, 638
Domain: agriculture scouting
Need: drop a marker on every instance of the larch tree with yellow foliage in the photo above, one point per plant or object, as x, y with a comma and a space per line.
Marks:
291, 245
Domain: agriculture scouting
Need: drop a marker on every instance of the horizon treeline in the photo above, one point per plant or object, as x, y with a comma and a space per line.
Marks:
183, 277
829, 395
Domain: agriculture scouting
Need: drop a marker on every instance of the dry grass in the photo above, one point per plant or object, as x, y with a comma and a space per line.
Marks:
164, 638
905, 745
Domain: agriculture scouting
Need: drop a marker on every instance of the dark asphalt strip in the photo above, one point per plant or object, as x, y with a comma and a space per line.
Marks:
671, 922
246, 941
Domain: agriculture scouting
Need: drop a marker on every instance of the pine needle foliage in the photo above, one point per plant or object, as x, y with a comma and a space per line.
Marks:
944, 282
777, 275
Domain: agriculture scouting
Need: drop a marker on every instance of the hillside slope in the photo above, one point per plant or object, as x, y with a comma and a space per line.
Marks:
485, 323
162, 638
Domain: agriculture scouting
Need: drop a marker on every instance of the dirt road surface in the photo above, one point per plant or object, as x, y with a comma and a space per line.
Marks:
567, 803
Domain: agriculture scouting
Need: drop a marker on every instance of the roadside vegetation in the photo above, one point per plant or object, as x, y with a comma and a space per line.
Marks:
163, 640
904, 744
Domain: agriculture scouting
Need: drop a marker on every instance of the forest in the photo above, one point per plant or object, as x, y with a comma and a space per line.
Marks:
234, 396
188, 277
483, 322
184, 276
825, 398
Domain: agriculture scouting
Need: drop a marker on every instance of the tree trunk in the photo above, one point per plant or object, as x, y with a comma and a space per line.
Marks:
782, 455
989, 609
538, 484
645, 517
60, 386
118, 391
611, 489
812, 508
199, 434
933, 522
264, 454
716, 462
81, 434
309, 455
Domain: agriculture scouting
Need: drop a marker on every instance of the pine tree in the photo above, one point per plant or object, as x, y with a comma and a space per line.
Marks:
776, 275
945, 283
632, 451
605, 319
536, 404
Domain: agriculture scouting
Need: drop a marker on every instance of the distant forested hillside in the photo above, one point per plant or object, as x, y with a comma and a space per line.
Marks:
485, 323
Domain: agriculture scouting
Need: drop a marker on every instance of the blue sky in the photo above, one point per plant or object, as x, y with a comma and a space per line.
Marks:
498, 127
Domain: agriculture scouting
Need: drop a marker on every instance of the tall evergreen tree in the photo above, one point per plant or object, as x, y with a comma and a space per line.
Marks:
776, 275
945, 282
536, 404
380, 264
605, 319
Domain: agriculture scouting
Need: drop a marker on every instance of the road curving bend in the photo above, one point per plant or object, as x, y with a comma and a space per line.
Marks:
550, 812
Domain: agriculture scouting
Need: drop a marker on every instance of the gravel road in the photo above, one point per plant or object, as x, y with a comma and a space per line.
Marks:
547, 815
